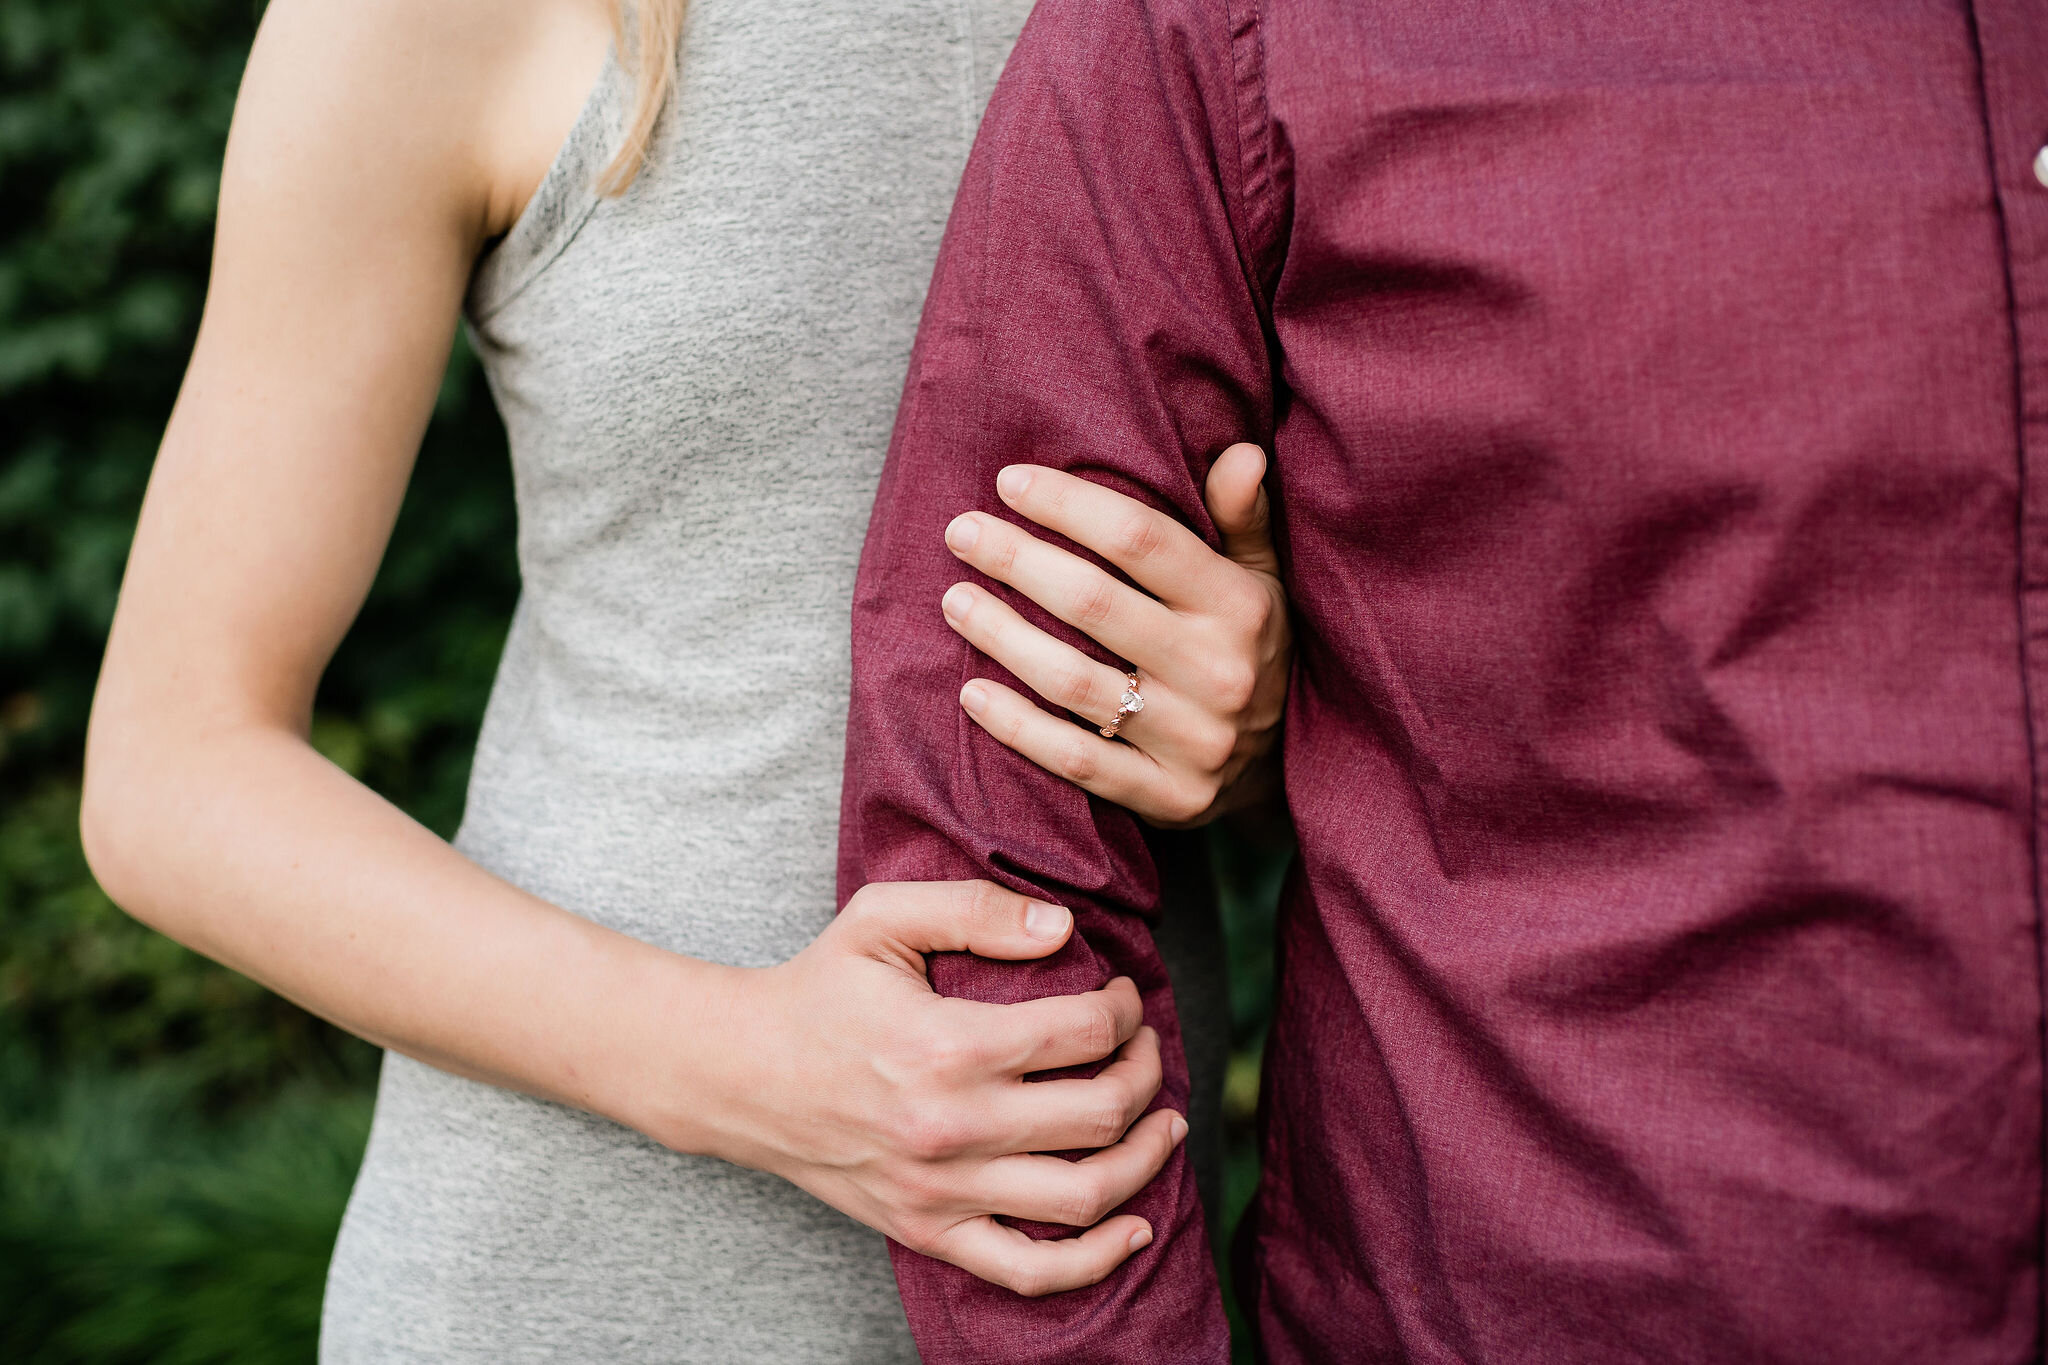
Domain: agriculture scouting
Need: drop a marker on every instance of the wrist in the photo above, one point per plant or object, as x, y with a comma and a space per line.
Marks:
674, 1040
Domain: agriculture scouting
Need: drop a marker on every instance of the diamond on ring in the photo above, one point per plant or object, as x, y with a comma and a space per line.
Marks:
1129, 704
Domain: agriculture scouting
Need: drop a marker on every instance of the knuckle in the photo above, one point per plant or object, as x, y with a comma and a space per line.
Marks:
1233, 684
1188, 802
1094, 604
1213, 750
1072, 688
1258, 609
1004, 541
1030, 1281
863, 908
944, 1054
1077, 761
1138, 1091
986, 900
1085, 1205
1138, 536
1013, 730
1001, 540
1098, 1031
926, 1194
1073, 1209
922, 1233
1247, 600
1105, 1124
931, 1134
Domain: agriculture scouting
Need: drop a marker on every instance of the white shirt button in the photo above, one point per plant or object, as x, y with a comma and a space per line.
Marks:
2041, 165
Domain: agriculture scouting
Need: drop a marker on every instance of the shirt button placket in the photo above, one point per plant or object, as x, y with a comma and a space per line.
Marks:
2013, 47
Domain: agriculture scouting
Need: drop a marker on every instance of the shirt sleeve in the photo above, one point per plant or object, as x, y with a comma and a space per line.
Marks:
1096, 307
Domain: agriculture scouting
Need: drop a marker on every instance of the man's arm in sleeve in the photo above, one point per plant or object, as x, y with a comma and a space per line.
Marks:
1096, 308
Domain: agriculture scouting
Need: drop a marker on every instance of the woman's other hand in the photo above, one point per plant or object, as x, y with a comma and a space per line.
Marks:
1210, 644
846, 1074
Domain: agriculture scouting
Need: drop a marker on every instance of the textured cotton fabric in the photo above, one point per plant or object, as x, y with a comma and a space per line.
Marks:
697, 379
1659, 394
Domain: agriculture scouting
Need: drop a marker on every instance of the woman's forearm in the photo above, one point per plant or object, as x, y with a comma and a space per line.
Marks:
839, 1070
246, 845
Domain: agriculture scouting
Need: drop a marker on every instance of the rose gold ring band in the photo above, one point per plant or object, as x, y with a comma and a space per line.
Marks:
1129, 704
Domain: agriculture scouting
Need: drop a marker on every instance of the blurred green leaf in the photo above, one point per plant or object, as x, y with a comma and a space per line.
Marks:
112, 121
134, 1229
175, 1141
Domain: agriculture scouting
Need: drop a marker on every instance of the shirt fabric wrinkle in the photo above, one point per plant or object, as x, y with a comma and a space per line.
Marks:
1654, 395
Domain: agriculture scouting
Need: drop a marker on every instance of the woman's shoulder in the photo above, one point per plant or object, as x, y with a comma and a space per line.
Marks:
462, 101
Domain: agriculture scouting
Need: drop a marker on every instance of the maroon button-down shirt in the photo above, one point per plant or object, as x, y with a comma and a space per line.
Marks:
1659, 398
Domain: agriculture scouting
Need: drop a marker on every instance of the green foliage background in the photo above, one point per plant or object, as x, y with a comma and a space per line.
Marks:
175, 1142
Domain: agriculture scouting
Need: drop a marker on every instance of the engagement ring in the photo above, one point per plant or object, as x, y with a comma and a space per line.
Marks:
1129, 704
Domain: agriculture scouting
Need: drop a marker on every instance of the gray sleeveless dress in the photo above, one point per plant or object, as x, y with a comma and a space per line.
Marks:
698, 380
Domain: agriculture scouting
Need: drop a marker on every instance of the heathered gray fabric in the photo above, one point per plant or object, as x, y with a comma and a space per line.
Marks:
698, 380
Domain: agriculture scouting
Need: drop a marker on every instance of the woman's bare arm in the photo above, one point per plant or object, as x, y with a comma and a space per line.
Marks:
377, 146
348, 220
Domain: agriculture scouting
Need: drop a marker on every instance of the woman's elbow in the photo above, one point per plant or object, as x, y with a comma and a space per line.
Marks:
113, 813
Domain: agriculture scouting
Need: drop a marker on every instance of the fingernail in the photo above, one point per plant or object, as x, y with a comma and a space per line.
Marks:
961, 533
1179, 1127
1141, 1239
1012, 482
973, 698
1046, 921
956, 602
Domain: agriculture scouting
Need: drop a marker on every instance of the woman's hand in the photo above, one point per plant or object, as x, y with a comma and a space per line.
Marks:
1210, 645
848, 1076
